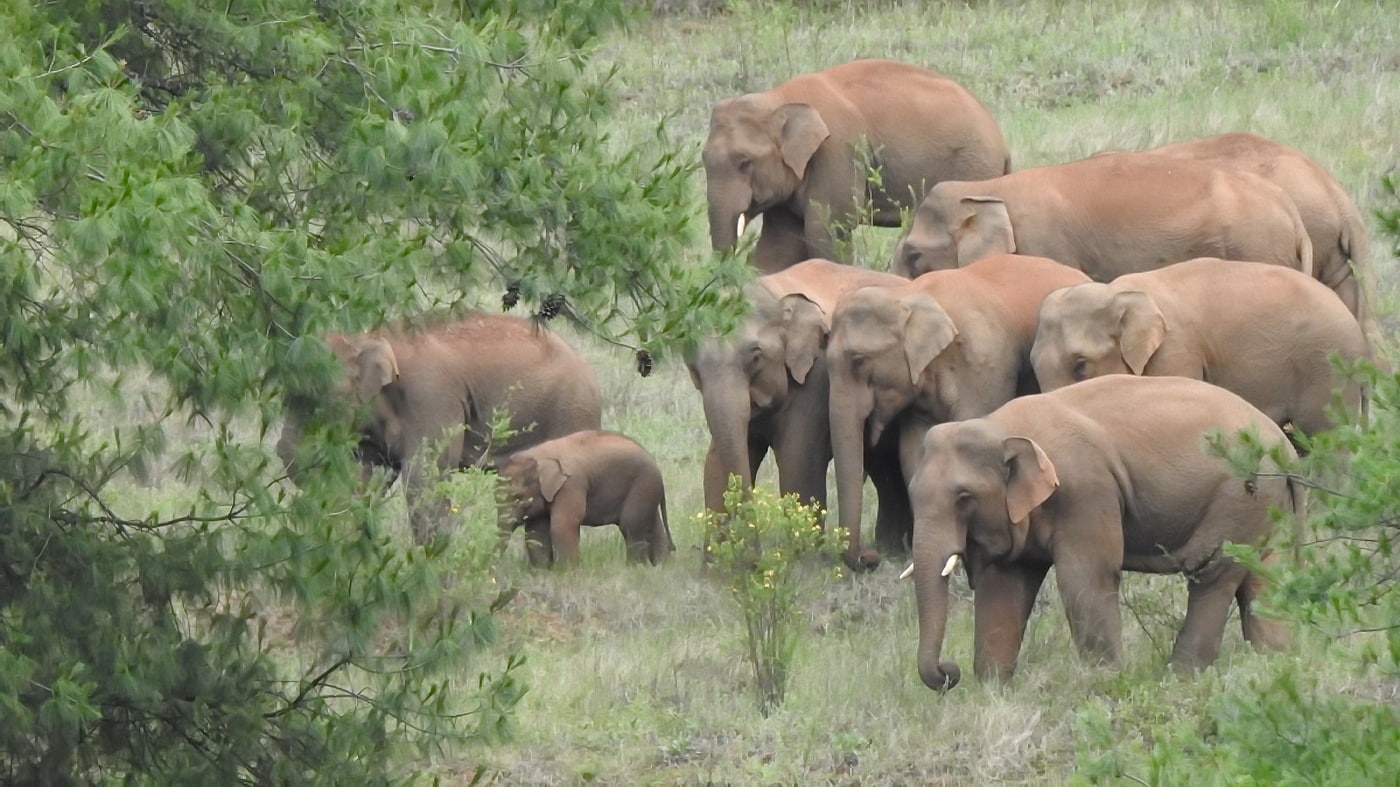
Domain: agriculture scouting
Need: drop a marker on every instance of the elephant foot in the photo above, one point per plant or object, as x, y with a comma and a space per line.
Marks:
866, 561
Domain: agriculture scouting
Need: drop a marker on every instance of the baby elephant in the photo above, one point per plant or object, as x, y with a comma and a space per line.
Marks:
585, 478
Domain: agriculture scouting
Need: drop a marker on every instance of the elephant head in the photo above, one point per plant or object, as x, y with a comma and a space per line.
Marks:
755, 158
527, 486
751, 372
951, 230
972, 494
1091, 330
880, 358
369, 374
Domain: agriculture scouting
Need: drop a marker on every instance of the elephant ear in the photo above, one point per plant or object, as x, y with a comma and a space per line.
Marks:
804, 330
800, 130
928, 330
1141, 328
1030, 478
985, 230
376, 367
552, 478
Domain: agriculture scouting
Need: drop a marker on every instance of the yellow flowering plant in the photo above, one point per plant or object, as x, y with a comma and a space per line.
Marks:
756, 547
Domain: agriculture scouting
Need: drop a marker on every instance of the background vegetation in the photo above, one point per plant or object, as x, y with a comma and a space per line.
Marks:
629, 674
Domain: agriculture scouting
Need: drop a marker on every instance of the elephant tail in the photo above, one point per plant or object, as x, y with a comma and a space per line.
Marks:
1298, 494
662, 543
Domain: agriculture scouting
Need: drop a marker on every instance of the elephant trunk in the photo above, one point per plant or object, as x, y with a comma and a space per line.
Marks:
933, 564
287, 445
727, 412
851, 404
728, 207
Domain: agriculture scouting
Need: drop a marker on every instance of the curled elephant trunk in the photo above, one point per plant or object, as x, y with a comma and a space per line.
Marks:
933, 565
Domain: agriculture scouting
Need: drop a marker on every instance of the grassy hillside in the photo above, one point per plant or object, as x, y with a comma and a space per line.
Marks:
636, 675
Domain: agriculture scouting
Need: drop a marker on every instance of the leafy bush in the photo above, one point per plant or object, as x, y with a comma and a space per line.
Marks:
755, 547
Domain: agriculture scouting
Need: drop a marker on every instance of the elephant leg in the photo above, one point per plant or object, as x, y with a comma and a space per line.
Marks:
802, 461
1089, 588
715, 480
1207, 607
566, 516
1002, 605
539, 548
781, 242
1262, 633
638, 525
428, 511
894, 515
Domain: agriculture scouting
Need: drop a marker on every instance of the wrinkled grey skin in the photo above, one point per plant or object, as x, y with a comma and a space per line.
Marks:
1105, 476
439, 386
765, 390
585, 478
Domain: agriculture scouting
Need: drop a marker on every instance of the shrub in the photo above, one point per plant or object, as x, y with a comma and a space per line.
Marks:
755, 547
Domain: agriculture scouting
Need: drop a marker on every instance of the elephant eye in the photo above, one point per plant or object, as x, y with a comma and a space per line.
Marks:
1081, 369
744, 164
964, 499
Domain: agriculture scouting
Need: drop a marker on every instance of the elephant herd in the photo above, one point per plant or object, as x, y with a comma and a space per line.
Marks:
1034, 384
1016, 391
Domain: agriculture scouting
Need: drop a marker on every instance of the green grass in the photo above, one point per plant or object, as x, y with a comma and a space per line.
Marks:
636, 675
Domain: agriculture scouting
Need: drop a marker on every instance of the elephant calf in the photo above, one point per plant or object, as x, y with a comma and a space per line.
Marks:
427, 396
1103, 476
1263, 331
585, 478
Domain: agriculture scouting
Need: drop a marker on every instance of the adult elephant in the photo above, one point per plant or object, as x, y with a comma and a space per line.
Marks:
441, 385
1104, 476
1108, 215
765, 387
1265, 332
859, 142
1340, 243
947, 346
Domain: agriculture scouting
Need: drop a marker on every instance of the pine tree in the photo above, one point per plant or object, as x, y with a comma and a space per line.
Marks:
190, 194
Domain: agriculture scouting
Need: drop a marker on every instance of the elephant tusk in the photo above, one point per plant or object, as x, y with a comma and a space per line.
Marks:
908, 572
951, 565
741, 225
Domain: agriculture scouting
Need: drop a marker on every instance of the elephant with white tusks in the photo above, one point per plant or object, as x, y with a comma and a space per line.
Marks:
948, 345
859, 141
1104, 476
441, 385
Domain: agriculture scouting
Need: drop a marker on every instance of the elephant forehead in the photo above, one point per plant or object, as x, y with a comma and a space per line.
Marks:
977, 439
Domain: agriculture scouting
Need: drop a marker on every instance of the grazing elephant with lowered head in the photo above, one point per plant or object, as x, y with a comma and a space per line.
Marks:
1104, 476
1108, 215
585, 478
1263, 331
765, 388
857, 142
947, 346
443, 383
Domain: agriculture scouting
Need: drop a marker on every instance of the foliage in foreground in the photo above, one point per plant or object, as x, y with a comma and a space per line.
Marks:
189, 195
1281, 728
755, 548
